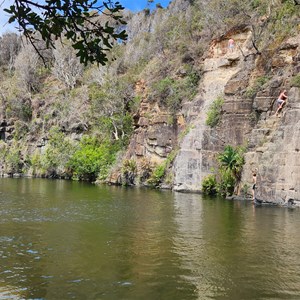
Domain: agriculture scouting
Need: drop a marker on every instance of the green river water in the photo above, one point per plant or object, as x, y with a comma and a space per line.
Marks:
69, 240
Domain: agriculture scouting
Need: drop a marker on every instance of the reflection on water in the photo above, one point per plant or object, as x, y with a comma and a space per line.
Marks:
70, 240
236, 251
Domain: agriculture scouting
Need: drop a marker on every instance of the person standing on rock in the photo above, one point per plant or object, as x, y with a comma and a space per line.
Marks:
230, 45
254, 173
281, 101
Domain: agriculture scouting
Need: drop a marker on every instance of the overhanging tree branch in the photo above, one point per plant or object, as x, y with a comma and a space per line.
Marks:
92, 28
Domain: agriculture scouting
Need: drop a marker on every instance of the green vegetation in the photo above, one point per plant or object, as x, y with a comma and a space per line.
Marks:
21, 129
3, 149
53, 161
12, 160
19, 108
35, 163
129, 165
110, 107
228, 174
244, 189
92, 159
71, 20
209, 185
171, 92
157, 175
295, 81
231, 162
71, 120
129, 171
259, 5
214, 112
162, 170
87, 160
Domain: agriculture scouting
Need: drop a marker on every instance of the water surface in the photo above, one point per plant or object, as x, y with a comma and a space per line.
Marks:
69, 240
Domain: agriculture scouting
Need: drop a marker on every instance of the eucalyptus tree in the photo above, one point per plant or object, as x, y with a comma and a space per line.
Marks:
111, 106
67, 67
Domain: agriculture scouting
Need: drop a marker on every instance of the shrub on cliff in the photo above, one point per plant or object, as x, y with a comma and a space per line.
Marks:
214, 112
3, 150
231, 162
19, 107
53, 161
92, 159
57, 153
228, 174
232, 159
110, 107
10, 44
257, 86
295, 81
21, 129
209, 185
13, 160
172, 92
161, 173
157, 175
226, 183
129, 171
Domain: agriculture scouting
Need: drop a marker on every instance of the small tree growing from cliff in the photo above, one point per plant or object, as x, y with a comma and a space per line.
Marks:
214, 112
111, 105
228, 175
231, 162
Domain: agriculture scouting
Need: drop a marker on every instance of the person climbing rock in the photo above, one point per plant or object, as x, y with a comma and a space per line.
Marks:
281, 101
230, 45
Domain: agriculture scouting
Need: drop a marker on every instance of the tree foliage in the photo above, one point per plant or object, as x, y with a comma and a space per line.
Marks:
92, 159
209, 185
110, 106
91, 26
228, 175
231, 165
57, 153
214, 112
232, 159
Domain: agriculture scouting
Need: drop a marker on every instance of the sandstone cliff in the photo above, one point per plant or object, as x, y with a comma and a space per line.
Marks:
272, 142
174, 68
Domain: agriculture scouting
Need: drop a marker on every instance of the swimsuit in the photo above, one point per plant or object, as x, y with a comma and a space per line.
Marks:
279, 101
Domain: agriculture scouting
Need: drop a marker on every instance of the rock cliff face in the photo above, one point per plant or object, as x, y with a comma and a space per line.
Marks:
272, 142
199, 147
247, 118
